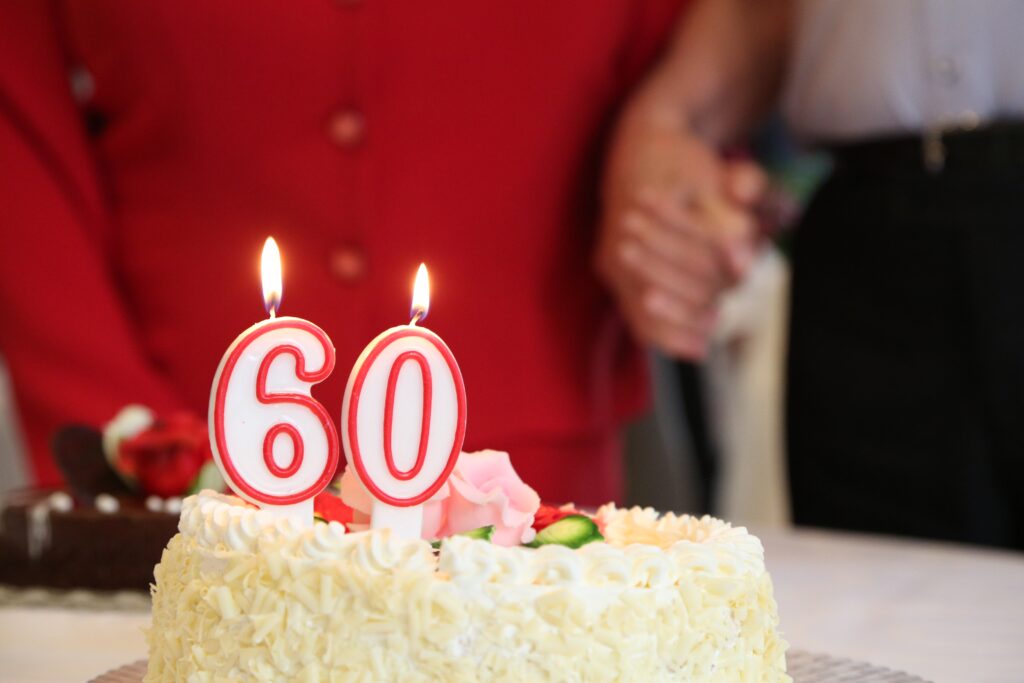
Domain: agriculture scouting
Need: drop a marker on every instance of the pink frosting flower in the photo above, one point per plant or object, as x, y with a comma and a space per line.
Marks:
484, 490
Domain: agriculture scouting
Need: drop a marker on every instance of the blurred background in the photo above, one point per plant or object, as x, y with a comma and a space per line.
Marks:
757, 260
714, 447
710, 443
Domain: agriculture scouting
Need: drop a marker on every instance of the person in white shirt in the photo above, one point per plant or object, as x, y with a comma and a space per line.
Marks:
906, 363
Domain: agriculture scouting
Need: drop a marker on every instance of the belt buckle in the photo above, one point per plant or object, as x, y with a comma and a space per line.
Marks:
933, 147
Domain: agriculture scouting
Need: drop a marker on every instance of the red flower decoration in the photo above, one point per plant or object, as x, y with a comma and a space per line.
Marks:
166, 458
329, 507
549, 514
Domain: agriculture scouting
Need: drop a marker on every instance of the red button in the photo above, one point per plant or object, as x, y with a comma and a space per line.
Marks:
347, 128
348, 263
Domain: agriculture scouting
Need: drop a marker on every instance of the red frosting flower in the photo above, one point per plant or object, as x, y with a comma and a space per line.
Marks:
329, 507
549, 514
166, 458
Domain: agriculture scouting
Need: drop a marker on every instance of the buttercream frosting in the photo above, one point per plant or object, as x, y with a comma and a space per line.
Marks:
244, 596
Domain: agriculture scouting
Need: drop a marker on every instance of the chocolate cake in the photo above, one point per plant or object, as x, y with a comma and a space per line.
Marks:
98, 535
44, 543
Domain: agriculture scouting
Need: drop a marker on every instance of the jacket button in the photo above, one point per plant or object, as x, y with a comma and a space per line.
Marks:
347, 128
83, 86
348, 263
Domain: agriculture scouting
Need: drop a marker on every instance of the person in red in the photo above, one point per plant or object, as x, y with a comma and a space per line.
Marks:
149, 148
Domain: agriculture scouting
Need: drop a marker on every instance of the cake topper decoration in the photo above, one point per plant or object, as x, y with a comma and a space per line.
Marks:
403, 419
275, 444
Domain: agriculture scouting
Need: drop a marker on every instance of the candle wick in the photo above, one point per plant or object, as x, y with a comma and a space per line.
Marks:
273, 312
416, 317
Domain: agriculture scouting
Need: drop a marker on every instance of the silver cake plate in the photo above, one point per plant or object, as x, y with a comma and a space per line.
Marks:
804, 667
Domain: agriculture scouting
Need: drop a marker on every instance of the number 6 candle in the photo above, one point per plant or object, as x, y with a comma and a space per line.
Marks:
403, 418
276, 446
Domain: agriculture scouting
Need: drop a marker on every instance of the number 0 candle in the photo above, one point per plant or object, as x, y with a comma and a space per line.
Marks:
276, 446
403, 418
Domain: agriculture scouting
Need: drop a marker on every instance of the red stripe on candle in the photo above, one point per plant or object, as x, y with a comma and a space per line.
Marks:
389, 412
223, 379
297, 448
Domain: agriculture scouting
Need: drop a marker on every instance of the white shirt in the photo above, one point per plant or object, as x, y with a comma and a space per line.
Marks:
861, 68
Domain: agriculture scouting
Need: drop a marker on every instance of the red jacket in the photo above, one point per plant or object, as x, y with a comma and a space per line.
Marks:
146, 150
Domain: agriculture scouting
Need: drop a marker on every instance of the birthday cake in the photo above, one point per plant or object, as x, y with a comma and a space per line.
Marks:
242, 595
429, 563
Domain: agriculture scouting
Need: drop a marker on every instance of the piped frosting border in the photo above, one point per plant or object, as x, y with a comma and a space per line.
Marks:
642, 548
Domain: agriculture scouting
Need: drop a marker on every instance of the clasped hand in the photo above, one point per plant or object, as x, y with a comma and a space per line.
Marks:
678, 229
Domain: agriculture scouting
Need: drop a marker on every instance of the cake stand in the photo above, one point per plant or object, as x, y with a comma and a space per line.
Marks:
804, 667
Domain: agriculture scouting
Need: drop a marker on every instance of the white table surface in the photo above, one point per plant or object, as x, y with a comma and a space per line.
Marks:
946, 613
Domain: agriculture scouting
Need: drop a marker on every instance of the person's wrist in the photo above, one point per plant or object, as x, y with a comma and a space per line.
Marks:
659, 102
651, 109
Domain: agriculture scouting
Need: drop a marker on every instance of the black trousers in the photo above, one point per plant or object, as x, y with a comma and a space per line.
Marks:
905, 398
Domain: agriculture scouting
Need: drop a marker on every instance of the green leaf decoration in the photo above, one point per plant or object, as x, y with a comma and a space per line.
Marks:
574, 531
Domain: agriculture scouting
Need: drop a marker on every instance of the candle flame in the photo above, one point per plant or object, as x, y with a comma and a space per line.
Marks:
270, 269
420, 295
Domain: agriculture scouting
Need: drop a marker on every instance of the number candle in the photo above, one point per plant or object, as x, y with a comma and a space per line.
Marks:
403, 418
276, 446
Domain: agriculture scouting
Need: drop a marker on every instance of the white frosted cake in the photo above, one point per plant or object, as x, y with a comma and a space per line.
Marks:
242, 596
